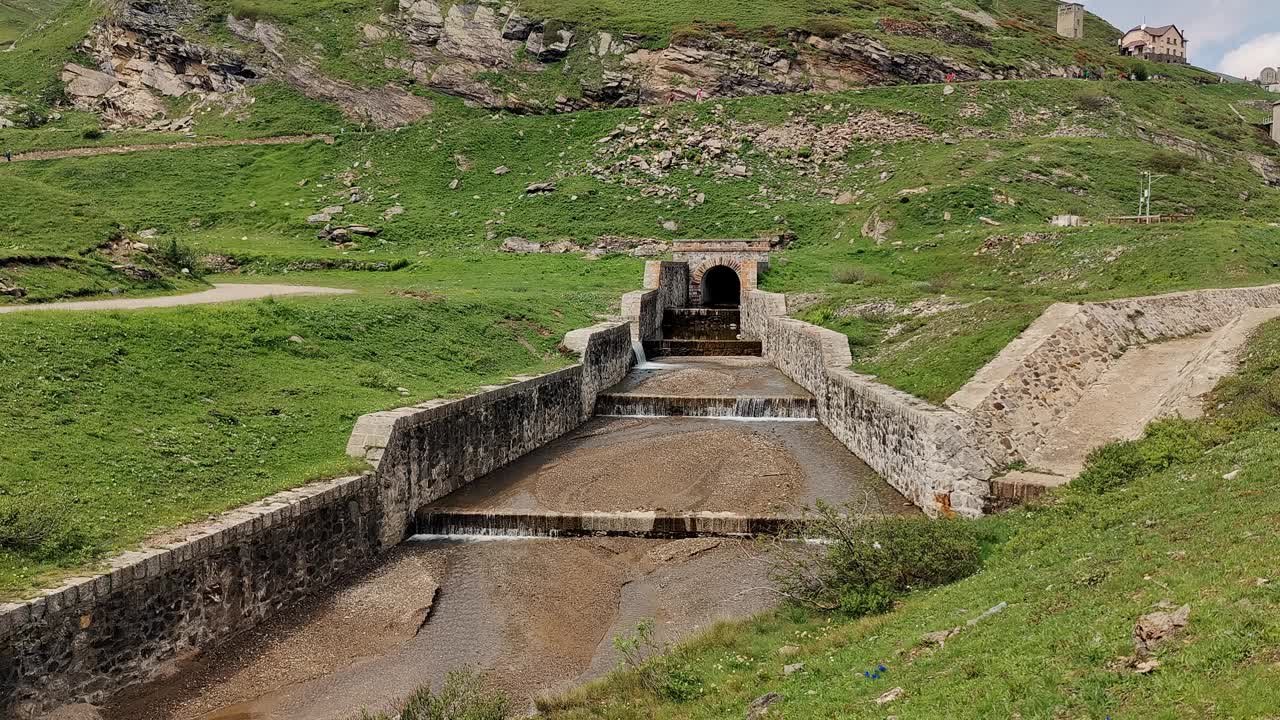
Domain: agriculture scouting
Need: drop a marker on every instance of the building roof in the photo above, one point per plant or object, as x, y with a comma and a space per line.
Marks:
1157, 31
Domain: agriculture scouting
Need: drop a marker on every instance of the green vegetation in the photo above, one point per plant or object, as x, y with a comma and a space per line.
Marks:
134, 421
463, 697
1186, 526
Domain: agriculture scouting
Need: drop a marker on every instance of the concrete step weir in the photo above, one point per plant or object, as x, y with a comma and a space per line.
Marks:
703, 348
443, 521
644, 405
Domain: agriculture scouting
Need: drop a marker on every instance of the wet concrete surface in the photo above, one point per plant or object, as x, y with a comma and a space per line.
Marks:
532, 616
683, 465
710, 377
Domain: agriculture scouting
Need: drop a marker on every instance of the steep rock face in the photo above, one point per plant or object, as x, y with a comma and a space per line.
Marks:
141, 57
457, 48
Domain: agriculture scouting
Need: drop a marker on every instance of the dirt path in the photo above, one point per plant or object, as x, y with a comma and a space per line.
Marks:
126, 149
221, 292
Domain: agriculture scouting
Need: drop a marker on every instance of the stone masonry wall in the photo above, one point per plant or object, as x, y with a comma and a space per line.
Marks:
425, 452
95, 635
666, 286
1019, 397
926, 452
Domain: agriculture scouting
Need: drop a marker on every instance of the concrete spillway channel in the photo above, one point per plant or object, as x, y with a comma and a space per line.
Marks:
527, 574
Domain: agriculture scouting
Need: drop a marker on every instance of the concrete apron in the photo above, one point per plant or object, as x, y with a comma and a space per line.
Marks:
537, 616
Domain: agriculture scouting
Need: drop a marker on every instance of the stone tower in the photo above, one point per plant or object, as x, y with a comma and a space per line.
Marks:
1268, 76
1071, 20
1275, 123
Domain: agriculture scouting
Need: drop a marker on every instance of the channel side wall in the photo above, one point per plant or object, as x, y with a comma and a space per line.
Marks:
94, 636
1018, 398
927, 453
666, 287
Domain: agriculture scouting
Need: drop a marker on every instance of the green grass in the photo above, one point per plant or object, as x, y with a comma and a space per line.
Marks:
1076, 574
134, 421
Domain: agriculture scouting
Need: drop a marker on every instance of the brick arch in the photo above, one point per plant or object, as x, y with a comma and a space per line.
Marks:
699, 270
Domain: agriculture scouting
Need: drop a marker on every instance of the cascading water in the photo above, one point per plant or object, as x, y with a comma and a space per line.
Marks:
642, 361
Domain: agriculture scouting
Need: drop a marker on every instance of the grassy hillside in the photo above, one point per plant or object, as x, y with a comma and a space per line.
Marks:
1187, 525
1014, 153
19, 17
134, 421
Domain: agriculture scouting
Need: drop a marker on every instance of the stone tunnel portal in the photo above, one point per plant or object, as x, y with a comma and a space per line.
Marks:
721, 287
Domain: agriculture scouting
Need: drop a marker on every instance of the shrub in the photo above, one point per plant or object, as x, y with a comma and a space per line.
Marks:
1109, 467
1139, 70
247, 10
40, 529
1169, 163
856, 274
829, 28
1163, 445
1092, 100
32, 120
390, 7
92, 134
463, 697
868, 561
178, 257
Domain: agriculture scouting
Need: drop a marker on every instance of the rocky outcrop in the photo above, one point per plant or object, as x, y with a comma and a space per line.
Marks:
385, 107
142, 57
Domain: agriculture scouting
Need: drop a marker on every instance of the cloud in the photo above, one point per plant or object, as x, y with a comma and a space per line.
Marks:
1212, 27
1248, 59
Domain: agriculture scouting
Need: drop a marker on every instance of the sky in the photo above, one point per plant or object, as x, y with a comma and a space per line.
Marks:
1237, 37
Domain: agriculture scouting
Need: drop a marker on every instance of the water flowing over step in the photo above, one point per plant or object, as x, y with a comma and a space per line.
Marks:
702, 332
638, 405
437, 521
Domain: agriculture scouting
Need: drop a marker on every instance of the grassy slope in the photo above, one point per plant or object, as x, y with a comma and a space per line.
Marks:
247, 202
1076, 575
133, 421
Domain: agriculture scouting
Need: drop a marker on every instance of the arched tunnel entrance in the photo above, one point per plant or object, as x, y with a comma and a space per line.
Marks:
721, 287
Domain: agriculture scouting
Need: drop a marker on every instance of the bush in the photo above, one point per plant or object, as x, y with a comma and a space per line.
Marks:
1169, 163
92, 134
869, 561
32, 120
463, 697
829, 28
1163, 445
390, 7
1138, 70
856, 274
40, 529
247, 10
1091, 100
178, 257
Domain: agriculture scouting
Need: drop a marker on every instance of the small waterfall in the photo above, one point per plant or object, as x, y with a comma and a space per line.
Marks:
642, 360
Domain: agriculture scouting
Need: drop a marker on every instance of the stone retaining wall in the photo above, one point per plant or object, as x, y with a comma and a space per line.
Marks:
425, 452
926, 452
666, 287
96, 635
1019, 397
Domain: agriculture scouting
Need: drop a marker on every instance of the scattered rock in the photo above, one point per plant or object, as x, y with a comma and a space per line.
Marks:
393, 211
542, 187
789, 651
501, 170
1155, 628
876, 228
1066, 221
988, 221
670, 226
296, 339
520, 246
845, 198
792, 668
1231, 475
759, 708
1146, 666
13, 292
889, 696
453, 185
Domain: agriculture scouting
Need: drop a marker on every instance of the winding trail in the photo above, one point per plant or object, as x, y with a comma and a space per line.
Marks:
127, 149
220, 293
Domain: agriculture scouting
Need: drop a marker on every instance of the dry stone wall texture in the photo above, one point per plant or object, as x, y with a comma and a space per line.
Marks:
1019, 397
666, 287
97, 635
926, 452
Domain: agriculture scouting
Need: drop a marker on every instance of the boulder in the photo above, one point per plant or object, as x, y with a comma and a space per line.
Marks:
82, 82
520, 246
